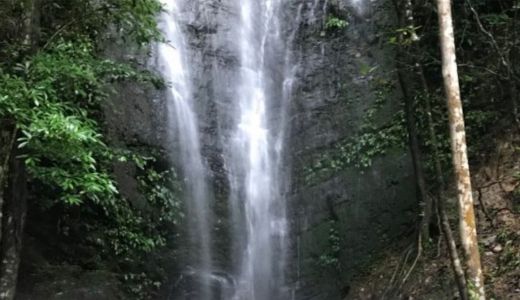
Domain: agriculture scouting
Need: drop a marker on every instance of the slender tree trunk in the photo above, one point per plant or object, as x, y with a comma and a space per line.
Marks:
456, 264
468, 231
406, 19
8, 130
417, 159
14, 198
13, 227
7, 140
31, 23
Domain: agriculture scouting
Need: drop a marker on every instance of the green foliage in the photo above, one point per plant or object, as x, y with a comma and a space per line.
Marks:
335, 23
366, 69
133, 20
162, 190
360, 150
441, 143
404, 36
509, 257
133, 230
54, 90
143, 230
139, 284
53, 98
494, 19
329, 260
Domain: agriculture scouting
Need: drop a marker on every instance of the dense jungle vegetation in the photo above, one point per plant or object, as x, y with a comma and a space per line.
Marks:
57, 161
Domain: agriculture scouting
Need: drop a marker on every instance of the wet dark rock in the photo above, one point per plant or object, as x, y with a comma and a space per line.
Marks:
374, 206
185, 287
70, 282
328, 106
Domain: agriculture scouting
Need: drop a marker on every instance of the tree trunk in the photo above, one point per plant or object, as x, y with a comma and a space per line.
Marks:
416, 158
7, 141
13, 200
468, 231
406, 18
15, 210
31, 23
456, 265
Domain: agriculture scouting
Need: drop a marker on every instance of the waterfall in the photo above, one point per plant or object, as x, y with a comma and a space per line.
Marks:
258, 149
252, 133
172, 62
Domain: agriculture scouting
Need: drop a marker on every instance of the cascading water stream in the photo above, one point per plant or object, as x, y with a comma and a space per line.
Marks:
254, 155
254, 144
184, 129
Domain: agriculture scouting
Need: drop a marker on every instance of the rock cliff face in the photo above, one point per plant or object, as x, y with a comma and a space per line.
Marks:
358, 210
338, 71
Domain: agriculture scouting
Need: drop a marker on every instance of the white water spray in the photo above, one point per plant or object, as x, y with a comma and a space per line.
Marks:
257, 149
183, 126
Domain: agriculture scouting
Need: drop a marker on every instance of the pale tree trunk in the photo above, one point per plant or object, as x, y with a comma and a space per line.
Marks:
468, 230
